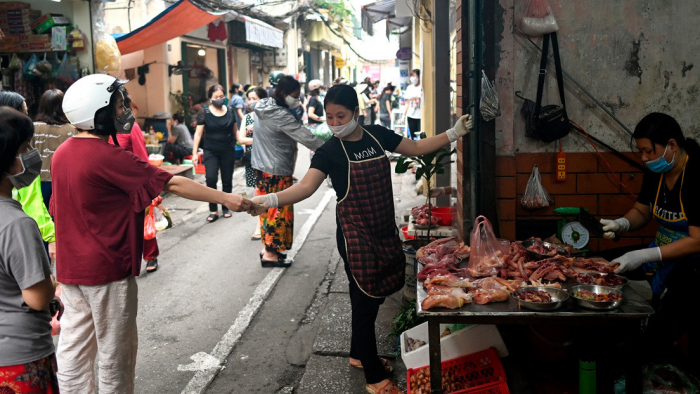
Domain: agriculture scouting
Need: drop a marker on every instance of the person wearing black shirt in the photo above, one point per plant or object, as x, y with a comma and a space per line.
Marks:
670, 195
315, 108
385, 107
219, 123
367, 236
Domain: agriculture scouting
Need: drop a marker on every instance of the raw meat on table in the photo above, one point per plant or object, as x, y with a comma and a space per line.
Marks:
449, 290
450, 280
484, 296
442, 301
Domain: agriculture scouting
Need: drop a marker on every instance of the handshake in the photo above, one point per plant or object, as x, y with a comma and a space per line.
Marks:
254, 206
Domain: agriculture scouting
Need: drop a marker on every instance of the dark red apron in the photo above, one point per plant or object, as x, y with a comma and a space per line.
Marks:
366, 216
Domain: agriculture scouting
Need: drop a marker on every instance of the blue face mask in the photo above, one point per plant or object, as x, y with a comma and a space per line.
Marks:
660, 165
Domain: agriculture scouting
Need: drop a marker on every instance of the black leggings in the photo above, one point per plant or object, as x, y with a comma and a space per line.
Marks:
413, 127
363, 342
215, 161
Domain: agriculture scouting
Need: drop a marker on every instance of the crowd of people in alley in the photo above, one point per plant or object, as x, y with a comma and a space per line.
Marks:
76, 183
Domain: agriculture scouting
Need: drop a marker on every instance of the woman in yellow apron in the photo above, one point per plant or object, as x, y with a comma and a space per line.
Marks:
368, 240
670, 195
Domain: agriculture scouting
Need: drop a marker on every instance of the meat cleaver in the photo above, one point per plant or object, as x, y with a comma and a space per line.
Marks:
593, 225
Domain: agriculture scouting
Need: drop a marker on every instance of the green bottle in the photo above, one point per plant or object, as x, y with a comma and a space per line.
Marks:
586, 376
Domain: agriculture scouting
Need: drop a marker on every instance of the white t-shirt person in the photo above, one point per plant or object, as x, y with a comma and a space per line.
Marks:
414, 95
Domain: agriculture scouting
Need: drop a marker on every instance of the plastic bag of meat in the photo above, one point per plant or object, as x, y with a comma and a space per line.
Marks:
487, 254
535, 196
536, 18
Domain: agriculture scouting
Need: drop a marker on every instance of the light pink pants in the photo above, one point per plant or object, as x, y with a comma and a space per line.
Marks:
98, 320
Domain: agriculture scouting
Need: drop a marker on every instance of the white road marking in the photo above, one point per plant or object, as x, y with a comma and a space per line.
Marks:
223, 349
202, 362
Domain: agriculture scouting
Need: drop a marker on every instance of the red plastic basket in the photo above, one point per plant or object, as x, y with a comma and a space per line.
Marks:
444, 213
481, 371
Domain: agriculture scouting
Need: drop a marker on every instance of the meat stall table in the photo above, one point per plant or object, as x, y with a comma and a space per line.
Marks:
629, 317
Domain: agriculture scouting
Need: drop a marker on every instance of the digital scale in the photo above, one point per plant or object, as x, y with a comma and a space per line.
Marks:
577, 232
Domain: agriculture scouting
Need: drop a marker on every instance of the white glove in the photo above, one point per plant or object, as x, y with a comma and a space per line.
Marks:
437, 191
263, 203
613, 227
634, 259
462, 127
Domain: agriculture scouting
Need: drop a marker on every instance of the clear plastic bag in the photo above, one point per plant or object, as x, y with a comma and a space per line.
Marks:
15, 63
486, 256
65, 72
489, 105
107, 55
30, 71
535, 196
537, 18
161, 221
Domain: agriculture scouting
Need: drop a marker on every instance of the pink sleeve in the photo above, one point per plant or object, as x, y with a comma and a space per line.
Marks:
138, 143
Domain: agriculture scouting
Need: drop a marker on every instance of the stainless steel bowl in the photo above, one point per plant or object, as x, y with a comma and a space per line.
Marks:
559, 298
560, 251
600, 305
597, 274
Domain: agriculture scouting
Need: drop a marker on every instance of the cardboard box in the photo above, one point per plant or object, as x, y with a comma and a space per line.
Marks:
468, 340
11, 44
30, 15
15, 21
14, 5
18, 30
48, 21
59, 38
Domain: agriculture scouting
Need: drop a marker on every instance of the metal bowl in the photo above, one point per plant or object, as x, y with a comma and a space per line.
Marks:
600, 305
559, 298
598, 274
560, 251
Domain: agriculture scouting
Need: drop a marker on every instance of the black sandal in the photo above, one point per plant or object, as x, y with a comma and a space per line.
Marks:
280, 262
212, 217
152, 266
227, 214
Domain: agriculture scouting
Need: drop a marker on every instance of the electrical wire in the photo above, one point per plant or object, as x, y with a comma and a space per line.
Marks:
605, 161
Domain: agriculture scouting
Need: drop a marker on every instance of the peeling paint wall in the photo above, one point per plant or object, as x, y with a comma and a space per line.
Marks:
634, 56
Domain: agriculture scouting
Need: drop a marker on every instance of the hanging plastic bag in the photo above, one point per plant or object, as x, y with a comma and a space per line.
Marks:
321, 131
149, 225
15, 64
107, 55
161, 221
166, 215
486, 257
44, 66
55, 63
30, 71
64, 72
537, 18
535, 196
489, 105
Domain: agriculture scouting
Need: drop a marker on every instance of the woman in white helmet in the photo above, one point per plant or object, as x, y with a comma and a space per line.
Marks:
100, 192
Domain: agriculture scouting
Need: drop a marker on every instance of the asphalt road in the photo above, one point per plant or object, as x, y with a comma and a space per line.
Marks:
207, 274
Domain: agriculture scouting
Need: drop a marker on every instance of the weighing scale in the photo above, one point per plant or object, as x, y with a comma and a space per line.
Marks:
578, 232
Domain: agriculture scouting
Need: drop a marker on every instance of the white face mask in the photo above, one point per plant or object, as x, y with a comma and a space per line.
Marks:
414, 80
344, 130
292, 102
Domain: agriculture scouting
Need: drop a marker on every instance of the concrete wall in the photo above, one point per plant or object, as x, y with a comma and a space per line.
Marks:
635, 56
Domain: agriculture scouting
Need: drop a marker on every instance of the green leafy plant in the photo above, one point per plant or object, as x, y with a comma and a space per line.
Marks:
426, 166
183, 103
340, 11
406, 319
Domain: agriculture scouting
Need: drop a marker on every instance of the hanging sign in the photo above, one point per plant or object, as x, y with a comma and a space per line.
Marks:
339, 62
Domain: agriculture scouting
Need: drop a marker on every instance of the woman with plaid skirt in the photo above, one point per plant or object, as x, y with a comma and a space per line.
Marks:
368, 240
277, 130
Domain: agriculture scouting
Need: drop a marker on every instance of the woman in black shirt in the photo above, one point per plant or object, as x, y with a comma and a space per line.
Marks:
385, 107
219, 145
367, 236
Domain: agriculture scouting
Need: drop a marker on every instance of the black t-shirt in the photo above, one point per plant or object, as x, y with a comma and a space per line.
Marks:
331, 159
668, 203
318, 109
219, 133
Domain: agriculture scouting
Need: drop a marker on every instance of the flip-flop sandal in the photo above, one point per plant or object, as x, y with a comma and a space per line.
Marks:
152, 266
256, 238
389, 388
275, 263
227, 214
212, 217
387, 367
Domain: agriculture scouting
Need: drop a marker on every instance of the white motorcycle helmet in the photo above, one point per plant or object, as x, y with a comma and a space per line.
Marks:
86, 96
314, 84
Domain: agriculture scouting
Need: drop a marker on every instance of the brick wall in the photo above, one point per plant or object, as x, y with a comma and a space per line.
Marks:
589, 183
460, 147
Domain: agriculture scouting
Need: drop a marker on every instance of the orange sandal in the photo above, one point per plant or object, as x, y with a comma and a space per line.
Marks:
389, 388
387, 367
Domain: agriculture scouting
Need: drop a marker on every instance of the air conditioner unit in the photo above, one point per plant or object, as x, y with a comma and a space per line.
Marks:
269, 58
281, 57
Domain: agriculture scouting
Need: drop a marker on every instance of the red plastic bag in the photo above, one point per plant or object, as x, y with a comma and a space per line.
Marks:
487, 254
537, 18
149, 225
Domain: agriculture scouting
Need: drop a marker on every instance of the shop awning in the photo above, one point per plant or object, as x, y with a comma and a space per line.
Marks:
250, 32
177, 20
381, 10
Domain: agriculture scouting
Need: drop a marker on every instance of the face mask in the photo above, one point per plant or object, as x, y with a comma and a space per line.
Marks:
292, 102
124, 123
218, 103
31, 164
660, 165
322, 93
414, 80
344, 130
